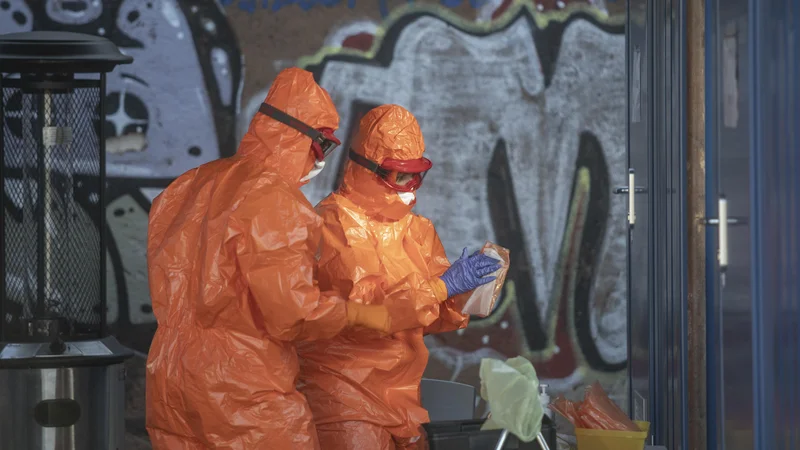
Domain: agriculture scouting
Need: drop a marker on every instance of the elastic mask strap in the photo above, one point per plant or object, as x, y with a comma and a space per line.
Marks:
292, 122
367, 164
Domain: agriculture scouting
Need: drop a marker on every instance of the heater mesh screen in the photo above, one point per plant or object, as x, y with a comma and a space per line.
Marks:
52, 211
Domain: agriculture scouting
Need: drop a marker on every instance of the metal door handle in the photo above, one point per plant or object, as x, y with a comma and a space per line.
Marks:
624, 190
722, 223
631, 189
722, 234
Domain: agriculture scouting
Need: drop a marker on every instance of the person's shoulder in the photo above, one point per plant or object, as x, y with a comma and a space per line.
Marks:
194, 179
338, 209
180, 189
420, 223
270, 195
283, 191
330, 205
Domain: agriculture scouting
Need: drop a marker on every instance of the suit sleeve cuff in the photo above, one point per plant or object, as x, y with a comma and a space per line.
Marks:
439, 289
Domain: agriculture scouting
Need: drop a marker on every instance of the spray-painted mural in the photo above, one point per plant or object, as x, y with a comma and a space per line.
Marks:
522, 106
524, 136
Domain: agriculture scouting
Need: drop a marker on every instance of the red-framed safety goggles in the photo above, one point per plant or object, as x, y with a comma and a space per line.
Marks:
323, 142
403, 175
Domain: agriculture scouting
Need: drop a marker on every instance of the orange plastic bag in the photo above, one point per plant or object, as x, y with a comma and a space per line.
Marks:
568, 409
603, 414
481, 302
596, 412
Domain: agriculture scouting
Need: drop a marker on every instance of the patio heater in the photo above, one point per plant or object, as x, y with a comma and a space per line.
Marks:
62, 378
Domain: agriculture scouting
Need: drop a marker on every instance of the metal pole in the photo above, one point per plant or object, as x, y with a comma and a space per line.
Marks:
40, 208
102, 200
3, 324
47, 200
502, 441
542, 442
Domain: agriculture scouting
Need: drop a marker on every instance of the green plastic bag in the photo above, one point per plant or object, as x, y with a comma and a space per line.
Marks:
511, 389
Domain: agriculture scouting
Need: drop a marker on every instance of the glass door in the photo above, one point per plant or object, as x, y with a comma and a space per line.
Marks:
657, 220
640, 234
728, 302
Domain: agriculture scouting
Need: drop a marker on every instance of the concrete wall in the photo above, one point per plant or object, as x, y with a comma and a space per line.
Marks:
523, 110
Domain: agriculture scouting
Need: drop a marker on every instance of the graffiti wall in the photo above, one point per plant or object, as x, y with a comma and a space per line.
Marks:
522, 106
525, 121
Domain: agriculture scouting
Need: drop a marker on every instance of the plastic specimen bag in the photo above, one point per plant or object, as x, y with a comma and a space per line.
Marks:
481, 302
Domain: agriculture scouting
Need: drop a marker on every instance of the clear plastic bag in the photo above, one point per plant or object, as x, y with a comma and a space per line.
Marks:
481, 302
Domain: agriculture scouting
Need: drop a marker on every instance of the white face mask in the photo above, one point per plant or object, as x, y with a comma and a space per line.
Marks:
318, 166
406, 197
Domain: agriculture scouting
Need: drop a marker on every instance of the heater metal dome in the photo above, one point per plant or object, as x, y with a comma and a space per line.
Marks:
58, 51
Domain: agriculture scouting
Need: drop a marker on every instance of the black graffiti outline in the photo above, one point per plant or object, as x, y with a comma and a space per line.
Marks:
507, 225
591, 156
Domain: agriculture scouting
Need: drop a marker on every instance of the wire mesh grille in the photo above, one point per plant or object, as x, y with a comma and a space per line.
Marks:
52, 208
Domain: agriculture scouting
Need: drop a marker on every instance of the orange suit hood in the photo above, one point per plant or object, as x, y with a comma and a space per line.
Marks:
388, 131
282, 149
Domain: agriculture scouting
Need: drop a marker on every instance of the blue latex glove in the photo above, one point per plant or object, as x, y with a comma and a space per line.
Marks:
469, 272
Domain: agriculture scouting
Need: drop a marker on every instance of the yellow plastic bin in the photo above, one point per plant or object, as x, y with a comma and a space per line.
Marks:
612, 440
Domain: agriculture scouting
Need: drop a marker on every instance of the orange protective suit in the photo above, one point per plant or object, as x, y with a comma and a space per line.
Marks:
231, 257
363, 388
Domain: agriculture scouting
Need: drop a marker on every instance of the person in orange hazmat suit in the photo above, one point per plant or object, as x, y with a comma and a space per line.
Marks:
363, 387
231, 258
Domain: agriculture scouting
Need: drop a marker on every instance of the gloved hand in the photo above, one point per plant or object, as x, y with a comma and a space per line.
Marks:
469, 272
374, 317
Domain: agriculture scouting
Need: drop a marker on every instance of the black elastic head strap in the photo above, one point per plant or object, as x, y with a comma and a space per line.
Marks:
292, 122
367, 164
